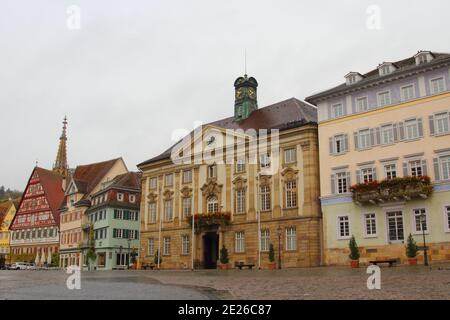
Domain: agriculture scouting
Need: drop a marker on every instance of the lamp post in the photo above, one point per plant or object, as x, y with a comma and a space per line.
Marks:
423, 222
279, 230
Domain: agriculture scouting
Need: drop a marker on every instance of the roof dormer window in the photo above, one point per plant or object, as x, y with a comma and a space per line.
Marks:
423, 57
352, 78
386, 68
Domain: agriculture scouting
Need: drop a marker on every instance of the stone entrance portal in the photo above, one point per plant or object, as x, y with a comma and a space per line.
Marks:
210, 250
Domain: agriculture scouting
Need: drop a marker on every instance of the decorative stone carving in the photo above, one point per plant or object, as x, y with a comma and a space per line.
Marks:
240, 183
289, 173
152, 197
186, 192
211, 187
167, 194
265, 181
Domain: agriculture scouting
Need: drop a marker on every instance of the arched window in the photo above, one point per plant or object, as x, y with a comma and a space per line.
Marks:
213, 204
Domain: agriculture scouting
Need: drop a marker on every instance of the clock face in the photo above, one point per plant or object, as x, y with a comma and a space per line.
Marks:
239, 93
251, 93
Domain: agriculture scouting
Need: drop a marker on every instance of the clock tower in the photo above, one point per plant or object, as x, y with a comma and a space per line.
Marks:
245, 97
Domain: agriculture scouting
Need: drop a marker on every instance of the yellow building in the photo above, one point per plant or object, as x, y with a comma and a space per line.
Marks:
7, 213
381, 135
255, 200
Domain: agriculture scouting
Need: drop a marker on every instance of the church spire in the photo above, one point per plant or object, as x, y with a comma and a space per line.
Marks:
61, 165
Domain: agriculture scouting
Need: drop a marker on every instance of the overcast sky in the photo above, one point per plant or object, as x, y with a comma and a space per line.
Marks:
137, 70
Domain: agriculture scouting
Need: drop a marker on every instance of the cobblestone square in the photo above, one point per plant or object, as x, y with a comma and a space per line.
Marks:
397, 283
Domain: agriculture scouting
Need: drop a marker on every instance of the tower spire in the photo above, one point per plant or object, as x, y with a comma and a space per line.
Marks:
61, 165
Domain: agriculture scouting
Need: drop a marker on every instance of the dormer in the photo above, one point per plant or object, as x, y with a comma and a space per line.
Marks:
352, 78
423, 57
386, 68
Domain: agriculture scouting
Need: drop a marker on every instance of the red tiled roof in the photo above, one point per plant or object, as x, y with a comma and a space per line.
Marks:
52, 185
3, 211
88, 176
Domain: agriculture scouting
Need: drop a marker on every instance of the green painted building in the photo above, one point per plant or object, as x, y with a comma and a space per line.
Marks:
114, 222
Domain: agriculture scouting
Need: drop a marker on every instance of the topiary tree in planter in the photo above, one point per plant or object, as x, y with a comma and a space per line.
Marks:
411, 250
272, 264
155, 258
224, 259
354, 252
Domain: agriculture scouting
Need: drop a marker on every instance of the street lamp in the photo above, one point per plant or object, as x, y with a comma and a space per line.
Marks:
279, 230
423, 222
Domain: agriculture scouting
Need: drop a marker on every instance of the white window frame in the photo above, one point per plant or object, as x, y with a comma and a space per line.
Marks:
153, 183
132, 198
241, 201
186, 206
187, 176
168, 180
419, 167
369, 171
152, 212
341, 138
413, 221
265, 240
338, 224
416, 130
212, 204
185, 244
441, 167
402, 95
239, 242
168, 210
386, 171
387, 128
379, 94
436, 126
152, 246
240, 166
264, 160
447, 217
290, 155
291, 194
347, 187
444, 88
291, 238
120, 196
392, 210
334, 106
364, 221
358, 107
360, 139
166, 246
265, 198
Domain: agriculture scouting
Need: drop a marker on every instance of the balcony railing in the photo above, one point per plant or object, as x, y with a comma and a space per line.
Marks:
207, 220
397, 189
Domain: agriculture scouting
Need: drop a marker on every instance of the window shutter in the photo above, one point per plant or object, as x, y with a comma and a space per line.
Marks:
344, 109
395, 129
354, 103
358, 176
431, 122
331, 145
333, 184
355, 137
346, 142
437, 175
374, 173
420, 127
424, 167
401, 131
372, 137
330, 116
378, 136
405, 169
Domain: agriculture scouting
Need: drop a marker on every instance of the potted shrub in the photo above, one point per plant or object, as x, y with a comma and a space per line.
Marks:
133, 259
155, 259
224, 259
271, 264
354, 253
411, 250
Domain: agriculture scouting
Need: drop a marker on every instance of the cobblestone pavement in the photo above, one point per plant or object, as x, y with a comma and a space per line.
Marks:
318, 283
311, 284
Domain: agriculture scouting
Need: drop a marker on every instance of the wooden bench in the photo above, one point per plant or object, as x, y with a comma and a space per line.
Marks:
390, 261
147, 266
241, 265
